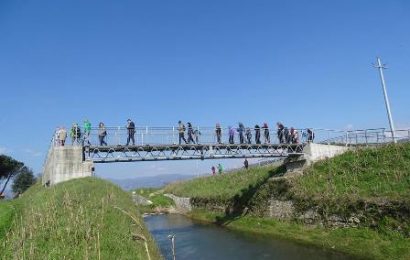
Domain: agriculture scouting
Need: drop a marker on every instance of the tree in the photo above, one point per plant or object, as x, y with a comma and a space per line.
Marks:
23, 180
8, 168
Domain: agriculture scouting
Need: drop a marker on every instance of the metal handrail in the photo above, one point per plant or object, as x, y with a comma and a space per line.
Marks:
207, 135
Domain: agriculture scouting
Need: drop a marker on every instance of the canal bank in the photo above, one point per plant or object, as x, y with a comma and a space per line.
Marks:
357, 203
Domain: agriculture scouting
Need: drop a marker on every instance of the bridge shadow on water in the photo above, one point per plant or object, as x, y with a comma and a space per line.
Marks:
240, 202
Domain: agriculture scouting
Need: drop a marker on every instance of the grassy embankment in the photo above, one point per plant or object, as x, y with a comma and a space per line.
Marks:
80, 219
343, 184
7, 211
231, 189
373, 174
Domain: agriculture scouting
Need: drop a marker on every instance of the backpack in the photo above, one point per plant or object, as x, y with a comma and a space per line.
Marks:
183, 127
132, 125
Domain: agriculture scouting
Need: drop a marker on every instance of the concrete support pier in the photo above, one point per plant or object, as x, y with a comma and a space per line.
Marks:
65, 163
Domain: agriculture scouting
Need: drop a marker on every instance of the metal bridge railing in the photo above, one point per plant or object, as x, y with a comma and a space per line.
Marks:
116, 136
369, 137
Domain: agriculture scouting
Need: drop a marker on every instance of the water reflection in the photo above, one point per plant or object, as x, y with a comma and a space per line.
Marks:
198, 241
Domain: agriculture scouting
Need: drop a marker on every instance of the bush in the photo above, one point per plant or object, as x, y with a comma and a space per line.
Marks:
23, 181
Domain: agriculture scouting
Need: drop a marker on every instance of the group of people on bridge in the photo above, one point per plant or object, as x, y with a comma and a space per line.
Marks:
284, 134
190, 135
79, 136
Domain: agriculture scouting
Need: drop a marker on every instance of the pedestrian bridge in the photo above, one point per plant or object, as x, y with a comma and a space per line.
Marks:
77, 158
107, 154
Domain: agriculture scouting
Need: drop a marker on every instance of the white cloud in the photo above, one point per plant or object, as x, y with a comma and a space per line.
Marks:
349, 127
3, 150
33, 152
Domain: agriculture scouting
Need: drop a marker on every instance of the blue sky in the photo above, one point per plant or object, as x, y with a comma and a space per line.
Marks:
306, 63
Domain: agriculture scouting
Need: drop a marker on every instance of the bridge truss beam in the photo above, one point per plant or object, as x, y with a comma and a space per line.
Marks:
135, 153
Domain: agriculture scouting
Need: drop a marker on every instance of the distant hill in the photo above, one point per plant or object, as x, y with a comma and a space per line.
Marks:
150, 181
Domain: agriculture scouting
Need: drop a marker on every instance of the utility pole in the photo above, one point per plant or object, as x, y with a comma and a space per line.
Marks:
381, 67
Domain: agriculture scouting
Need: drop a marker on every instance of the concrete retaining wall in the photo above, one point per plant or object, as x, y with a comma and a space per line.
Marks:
316, 152
312, 153
65, 163
182, 205
140, 200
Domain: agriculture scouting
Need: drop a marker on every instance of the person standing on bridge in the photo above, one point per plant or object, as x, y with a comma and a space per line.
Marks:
218, 132
231, 135
131, 132
241, 131
102, 133
87, 131
248, 134
257, 134
190, 133
286, 135
310, 135
75, 134
294, 135
266, 133
62, 136
181, 131
280, 132
197, 133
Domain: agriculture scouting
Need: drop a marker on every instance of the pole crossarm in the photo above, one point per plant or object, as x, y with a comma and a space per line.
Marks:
118, 153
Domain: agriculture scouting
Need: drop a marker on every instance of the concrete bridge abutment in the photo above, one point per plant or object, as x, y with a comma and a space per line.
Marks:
312, 153
65, 163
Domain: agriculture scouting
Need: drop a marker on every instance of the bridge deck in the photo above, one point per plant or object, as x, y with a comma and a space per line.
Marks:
120, 153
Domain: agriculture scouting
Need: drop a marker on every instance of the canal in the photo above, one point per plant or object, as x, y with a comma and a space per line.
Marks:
195, 241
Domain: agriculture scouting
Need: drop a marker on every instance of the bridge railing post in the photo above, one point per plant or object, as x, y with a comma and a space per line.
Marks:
117, 135
384, 136
356, 138
173, 135
142, 137
347, 136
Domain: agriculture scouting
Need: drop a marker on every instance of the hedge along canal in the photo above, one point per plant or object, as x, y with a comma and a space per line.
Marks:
194, 240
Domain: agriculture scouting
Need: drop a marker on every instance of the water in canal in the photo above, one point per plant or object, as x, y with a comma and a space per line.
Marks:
194, 241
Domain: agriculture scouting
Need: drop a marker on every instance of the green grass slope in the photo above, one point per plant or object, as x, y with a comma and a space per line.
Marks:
372, 173
85, 218
7, 211
221, 187
368, 173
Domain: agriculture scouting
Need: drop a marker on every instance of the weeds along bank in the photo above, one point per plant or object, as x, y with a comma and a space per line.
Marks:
357, 202
80, 219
